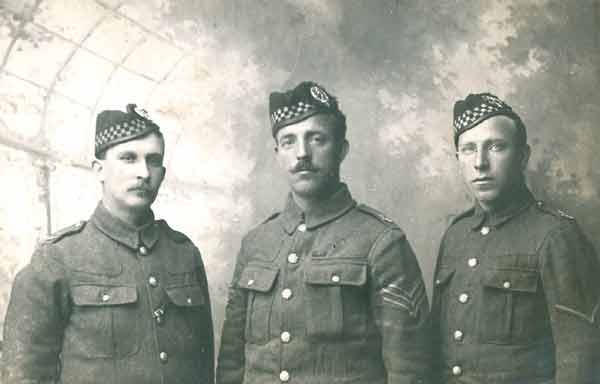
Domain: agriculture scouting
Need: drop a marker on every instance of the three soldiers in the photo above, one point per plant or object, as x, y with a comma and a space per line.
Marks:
328, 290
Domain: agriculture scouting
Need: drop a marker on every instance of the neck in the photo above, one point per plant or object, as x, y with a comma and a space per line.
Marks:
499, 204
131, 217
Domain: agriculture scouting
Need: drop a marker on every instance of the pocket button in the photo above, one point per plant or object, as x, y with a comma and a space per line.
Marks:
286, 337
286, 293
292, 258
163, 357
457, 370
463, 298
335, 278
458, 335
284, 376
153, 281
506, 284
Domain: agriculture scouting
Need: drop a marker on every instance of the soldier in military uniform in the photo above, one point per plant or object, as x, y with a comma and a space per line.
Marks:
516, 292
121, 298
328, 290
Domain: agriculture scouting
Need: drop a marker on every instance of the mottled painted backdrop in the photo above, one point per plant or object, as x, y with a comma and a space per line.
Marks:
204, 70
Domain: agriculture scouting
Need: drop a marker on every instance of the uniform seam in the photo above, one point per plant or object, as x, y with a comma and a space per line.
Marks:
541, 259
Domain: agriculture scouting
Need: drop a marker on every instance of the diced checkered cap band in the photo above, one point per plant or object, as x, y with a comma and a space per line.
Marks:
490, 105
121, 130
291, 111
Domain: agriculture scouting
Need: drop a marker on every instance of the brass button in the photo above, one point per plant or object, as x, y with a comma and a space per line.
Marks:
284, 376
485, 230
335, 278
292, 258
472, 262
189, 301
457, 370
506, 284
286, 337
286, 293
302, 227
105, 297
163, 357
438, 282
463, 298
250, 282
143, 250
153, 281
458, 335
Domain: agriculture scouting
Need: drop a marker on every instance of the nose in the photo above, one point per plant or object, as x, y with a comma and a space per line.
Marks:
481, 158
302, 150
142, 170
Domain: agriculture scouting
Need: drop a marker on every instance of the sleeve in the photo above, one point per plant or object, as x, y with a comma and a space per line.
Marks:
207, 322
570, 273
401, 309
35, 321
436, 313
231, 359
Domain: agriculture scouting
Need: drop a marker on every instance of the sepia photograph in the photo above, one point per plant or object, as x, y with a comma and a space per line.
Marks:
300, 191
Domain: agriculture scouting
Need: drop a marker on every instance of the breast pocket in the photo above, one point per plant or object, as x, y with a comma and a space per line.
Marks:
186, 316
513, 311
104, 321
337, 301
258, 281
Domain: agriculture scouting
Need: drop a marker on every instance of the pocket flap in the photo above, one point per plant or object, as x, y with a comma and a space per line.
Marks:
186, 296
257, 278
443, 276
511, 279
336, 273
98, 295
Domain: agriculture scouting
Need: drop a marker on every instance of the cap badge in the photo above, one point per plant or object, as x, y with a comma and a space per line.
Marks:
319, 94
142, 112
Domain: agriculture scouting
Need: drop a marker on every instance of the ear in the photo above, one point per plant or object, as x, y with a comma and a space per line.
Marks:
344, 150
525, 154
98, 168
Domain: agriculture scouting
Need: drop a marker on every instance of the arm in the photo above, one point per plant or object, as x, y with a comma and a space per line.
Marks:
570, 276
400, 307
207, 322
35, 322
231, 360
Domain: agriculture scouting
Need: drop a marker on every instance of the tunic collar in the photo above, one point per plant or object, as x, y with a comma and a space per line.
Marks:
518, 203
325, 211
126, 234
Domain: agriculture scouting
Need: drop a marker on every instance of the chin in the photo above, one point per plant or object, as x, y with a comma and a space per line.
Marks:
139, 203
486, 197
307, 189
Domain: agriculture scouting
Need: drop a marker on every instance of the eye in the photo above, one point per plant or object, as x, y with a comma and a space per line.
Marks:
286, 142
467, 150
127, 157
497, 146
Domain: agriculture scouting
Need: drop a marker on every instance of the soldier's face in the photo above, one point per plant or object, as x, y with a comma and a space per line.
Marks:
131, 174
311, 154
492, 161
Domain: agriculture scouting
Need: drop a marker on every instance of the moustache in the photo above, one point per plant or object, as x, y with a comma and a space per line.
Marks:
303, 165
